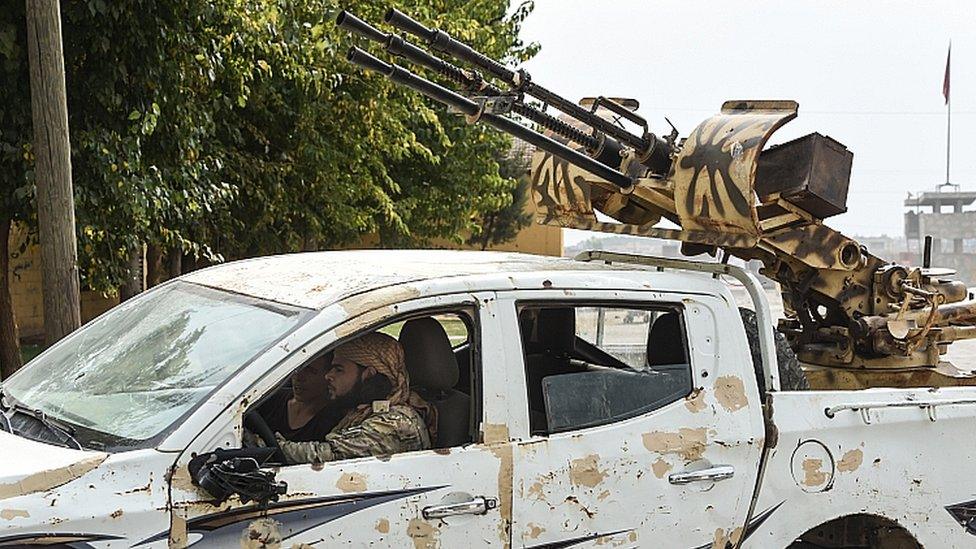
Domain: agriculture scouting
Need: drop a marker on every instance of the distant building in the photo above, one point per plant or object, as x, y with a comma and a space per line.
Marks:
941, 215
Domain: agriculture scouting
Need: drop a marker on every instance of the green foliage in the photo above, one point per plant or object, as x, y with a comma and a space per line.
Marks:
503, 224
232, 128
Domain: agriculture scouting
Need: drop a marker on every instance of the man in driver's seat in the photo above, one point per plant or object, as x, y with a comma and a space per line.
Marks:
368, 382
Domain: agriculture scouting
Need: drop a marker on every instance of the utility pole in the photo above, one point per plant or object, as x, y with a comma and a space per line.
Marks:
55, 197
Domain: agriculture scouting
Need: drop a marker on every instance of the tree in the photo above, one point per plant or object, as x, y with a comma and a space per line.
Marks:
231, 128
55, 198
504, 224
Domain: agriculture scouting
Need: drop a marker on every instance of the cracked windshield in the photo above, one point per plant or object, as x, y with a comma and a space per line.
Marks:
139, 368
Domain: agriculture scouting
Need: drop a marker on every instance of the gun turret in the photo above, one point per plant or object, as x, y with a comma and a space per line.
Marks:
724, 191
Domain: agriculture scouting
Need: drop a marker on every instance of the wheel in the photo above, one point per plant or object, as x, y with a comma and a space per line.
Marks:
791, 377
260, 427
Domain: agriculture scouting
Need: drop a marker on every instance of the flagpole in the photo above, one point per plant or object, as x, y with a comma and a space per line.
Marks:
948, 113
948, 96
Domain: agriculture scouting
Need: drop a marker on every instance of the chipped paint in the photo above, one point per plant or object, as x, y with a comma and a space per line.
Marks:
351, 482
660, 467
851, 460
735, 535
603, 495
586, 472
504, 453
813, 475
178, 536
11, 514
720, 541
423, 534
695, 402
383, 526
263, 533
687, 443
180, 478
534, 530
51, 478
317, 279
535, 492
494, 432
730, 393
116, 514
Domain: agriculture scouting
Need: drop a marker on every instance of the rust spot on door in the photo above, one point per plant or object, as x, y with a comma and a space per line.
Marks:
851, 460
423, 534
730, 393
660, 467
687, 443
695, 402
351, 482
586, 472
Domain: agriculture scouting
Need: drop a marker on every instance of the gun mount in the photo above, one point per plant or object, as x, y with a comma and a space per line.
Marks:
854, 319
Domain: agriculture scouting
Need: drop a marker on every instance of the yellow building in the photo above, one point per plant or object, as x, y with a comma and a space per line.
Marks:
25, 291
25, 276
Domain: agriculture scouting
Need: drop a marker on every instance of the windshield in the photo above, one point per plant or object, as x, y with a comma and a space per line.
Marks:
126, 377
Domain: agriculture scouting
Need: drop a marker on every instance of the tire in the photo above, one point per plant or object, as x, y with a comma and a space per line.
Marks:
791, 377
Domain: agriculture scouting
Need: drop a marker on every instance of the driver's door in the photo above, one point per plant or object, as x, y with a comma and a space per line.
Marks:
411, 499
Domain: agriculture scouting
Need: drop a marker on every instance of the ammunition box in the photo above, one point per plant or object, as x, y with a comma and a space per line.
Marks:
812, 173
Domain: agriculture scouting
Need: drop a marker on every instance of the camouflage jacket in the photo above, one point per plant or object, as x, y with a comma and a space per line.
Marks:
399, 429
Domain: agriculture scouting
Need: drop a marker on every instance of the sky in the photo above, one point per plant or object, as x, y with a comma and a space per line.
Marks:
868, 74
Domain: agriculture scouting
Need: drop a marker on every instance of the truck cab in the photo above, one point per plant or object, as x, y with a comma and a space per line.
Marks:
608, 400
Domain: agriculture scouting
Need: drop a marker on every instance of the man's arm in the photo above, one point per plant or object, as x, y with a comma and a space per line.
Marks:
384, 433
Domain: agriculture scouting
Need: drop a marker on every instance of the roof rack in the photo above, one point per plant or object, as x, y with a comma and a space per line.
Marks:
764, 320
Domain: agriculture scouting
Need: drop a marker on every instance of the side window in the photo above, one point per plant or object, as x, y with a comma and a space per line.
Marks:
317, 400
593, 364
454, 325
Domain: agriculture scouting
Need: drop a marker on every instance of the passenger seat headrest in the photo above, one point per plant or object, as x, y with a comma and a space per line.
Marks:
551, 330
665, 342
430, 358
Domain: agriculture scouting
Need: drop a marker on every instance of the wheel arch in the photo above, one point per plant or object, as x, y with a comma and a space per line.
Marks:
864, 530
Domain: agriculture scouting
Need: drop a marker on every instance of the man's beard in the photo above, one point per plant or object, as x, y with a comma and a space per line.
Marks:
377, 387
349, 400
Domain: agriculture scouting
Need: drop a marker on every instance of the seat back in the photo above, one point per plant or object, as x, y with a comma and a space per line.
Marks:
433, 370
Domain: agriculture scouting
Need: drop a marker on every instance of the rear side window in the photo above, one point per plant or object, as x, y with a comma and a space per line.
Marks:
593, 364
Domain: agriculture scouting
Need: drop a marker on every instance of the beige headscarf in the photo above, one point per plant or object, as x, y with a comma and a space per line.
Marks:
385, 355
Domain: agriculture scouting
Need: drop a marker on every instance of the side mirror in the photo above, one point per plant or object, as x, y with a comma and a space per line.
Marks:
223, 473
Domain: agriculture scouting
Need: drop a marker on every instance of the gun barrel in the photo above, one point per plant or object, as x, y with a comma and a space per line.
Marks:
472, 109
400, 47
350, 22
441, 41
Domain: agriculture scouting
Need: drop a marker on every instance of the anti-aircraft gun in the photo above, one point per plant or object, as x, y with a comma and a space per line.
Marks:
855, 320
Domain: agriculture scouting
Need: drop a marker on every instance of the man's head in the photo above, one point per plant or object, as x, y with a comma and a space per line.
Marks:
364, 369
309, 383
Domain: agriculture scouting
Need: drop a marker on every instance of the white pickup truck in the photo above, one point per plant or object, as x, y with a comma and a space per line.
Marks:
606, 401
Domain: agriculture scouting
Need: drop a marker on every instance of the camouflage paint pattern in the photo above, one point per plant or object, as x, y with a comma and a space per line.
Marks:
400, 429
714, 174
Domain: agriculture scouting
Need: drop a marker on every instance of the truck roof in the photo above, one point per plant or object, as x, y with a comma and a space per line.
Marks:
317, 279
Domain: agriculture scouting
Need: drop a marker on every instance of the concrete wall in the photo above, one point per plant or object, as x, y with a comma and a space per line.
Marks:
959, 225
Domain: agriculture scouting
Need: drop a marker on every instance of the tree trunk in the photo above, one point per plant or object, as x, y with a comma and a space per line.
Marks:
10, 359
154, 265
175, 263
133, 284
55, 198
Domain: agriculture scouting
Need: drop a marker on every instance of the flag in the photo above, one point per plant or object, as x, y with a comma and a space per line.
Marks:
945, 81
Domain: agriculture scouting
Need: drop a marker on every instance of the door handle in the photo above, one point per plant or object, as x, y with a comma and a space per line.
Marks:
474, 506
714, 474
